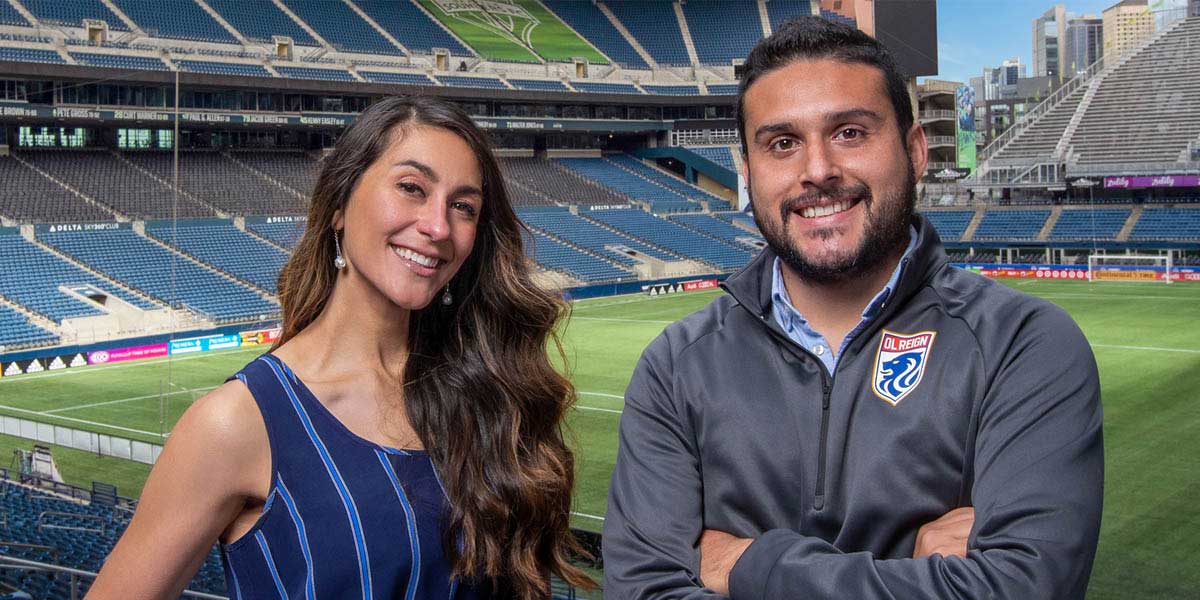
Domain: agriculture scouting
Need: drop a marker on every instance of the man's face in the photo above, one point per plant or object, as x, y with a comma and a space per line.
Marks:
830, 179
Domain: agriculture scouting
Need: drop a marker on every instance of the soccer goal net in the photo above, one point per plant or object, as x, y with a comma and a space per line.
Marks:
1130, 267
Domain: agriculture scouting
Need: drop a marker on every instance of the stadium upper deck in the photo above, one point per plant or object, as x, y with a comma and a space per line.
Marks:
350, 40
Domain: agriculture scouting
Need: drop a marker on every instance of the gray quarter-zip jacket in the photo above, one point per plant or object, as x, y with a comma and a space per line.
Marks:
729, 425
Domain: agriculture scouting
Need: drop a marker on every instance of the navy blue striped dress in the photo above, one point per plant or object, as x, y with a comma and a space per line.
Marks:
345, 517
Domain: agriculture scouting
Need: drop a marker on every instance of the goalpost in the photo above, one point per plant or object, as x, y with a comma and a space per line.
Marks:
1130, 267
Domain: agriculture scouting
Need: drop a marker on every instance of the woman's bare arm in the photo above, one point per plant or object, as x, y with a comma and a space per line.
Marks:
216, 462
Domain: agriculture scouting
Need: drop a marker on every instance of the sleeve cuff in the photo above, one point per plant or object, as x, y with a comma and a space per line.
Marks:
752, 572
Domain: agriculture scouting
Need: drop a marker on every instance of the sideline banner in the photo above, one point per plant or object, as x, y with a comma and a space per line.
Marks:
204, 344
100, 357
259, 337
1079, 272
659, 289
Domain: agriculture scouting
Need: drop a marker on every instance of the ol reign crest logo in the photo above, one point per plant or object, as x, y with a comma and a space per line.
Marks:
900, 363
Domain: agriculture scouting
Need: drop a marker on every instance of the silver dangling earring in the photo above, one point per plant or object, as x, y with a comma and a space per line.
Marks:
447, 299
338, 262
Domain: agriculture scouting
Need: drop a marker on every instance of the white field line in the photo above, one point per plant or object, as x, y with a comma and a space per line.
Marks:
84, 421
587, 516
124, 365
1112, 296
593, 408
620, 320
1147, 348
122, 400
601, 395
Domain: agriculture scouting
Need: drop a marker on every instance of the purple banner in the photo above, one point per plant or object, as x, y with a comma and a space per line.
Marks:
123, 354
1152, 182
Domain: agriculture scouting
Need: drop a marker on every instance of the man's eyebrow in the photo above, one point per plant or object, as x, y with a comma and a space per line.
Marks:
420, 166
853, 114
771, 128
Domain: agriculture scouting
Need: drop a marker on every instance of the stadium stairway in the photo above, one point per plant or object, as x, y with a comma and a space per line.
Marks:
976, 219
629, 37
226, 275
686, 33
1130, 223
1051, 221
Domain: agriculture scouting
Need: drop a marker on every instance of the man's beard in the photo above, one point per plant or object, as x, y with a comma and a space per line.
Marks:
884, 234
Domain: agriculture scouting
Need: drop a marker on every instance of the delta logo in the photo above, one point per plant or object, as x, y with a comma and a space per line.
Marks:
900, 363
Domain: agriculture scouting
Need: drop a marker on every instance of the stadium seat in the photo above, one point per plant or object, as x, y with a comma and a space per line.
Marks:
676, 238
654, 26
123, 255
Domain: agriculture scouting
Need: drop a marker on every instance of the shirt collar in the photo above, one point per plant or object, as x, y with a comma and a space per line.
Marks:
782, 302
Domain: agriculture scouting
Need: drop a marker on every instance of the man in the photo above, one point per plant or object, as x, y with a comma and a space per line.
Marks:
825, 428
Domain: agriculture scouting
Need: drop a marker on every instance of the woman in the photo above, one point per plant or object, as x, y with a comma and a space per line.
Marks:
403, 437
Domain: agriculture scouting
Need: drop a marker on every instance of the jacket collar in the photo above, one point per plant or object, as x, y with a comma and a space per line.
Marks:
751, 286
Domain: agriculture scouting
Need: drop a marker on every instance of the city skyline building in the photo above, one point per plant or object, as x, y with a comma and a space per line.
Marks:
1127, 24
1085, 44
1049, 45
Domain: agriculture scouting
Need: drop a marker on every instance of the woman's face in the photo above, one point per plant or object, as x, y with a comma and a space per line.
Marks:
410, 222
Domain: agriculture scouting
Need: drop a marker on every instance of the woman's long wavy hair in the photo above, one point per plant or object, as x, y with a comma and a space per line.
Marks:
478, 385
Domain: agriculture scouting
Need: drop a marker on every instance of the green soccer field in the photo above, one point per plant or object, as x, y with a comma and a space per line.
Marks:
510, 37
1146, 338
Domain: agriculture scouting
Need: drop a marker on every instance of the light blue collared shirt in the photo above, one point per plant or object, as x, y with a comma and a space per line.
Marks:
797, 326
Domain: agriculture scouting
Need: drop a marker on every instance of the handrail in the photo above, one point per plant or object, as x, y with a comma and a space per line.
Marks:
77, 574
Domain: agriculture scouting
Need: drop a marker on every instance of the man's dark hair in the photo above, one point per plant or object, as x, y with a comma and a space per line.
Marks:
816, 38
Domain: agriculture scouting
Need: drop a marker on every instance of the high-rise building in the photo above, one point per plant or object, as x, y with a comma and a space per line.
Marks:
1167, 11
1194, 8
1085, 44
1126, 25
1001, 82
1049, 47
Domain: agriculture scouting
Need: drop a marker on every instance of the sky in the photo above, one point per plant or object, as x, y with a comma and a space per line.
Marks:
973, 34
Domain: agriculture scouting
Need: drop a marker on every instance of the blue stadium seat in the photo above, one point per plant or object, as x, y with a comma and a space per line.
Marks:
31, 55
722, 155
950, 224
36, 284
560, 223
1011, 224
283, 234
586, 19
81, 534
259, 20
605, 88
17, 332
722, 89
829, 15
472, 82
636, 166
557, 256
1087, 224
411, 26
222, 68
143, 265
780, 11
120, 61
72, 12
313, 73
723, 30
672, 90
1167, 224
676, 238
342, 27
10, 16
661, 199
538, 84
182, 21
720, 229
397, 78
655, 27
225, 248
